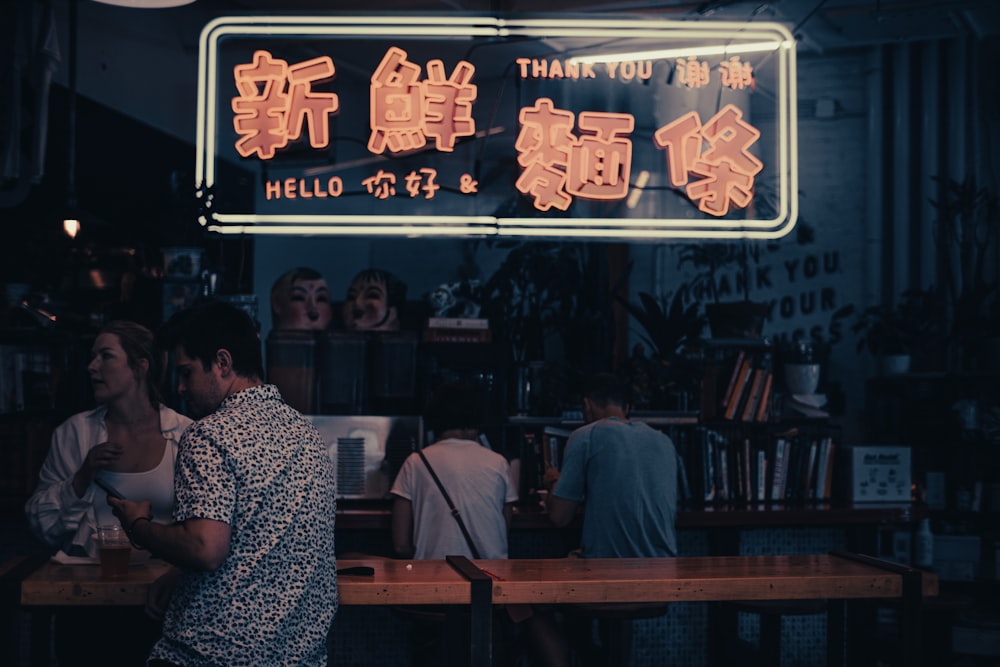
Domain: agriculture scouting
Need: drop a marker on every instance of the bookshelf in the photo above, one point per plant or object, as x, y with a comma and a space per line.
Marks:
951, 423
721, 463
738, 380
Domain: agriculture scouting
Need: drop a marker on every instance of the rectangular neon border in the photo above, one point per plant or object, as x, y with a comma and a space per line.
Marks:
468, 27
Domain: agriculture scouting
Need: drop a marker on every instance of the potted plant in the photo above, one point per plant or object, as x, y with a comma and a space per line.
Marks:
894, 332
547, 298
658, 367
803, 358
964, 232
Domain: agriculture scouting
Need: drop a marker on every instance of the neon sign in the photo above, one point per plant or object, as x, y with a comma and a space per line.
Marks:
484, 126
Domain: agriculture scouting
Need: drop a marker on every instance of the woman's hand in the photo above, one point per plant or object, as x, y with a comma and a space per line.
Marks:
100, 457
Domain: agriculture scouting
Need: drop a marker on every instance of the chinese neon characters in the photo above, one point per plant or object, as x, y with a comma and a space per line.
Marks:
562, 155
405, 111
727, 166
276, 100
558, 164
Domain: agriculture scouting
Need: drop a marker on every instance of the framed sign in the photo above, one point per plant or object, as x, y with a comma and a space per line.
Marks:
605, 128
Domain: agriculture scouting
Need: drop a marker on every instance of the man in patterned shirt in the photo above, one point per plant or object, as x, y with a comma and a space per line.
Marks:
253, 531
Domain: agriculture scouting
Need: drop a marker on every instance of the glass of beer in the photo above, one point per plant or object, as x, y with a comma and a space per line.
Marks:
114, 549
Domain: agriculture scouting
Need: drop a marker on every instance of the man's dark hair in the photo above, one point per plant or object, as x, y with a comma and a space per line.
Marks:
454, 406
607, 389
205, 328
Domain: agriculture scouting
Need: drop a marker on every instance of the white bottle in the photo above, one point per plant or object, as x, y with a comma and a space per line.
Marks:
923, 549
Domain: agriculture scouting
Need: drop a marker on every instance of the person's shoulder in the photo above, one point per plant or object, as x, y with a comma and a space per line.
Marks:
604, 424
171, 420
84, 419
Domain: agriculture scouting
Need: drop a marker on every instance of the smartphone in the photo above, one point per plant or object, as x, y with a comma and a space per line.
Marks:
110, 490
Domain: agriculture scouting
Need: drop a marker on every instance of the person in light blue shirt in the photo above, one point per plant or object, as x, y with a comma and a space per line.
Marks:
623, 472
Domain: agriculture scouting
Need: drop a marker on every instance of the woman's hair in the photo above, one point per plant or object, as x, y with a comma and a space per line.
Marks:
139, 343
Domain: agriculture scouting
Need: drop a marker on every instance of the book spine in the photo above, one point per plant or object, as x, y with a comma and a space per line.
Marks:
809, 472
742, 382
764, 405
731, 386
761, 475
722, 467
753, 395
780, 470
827, 493
820, 480
708, 469
749, 484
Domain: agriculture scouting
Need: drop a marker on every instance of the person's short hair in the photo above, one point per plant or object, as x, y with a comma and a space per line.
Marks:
139, 343
209, 326
454, 406
605, 389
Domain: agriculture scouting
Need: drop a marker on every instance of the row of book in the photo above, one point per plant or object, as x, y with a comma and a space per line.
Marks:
781, 469
748, 393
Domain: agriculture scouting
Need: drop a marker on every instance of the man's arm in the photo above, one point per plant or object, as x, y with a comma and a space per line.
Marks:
198, 544
560, 510
402, 528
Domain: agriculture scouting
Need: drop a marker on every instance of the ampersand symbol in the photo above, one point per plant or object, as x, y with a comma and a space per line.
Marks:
467, 185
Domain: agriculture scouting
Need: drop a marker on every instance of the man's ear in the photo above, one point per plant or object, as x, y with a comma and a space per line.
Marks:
224, 361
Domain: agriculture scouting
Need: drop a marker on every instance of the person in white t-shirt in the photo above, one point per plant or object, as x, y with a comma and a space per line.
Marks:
477, 479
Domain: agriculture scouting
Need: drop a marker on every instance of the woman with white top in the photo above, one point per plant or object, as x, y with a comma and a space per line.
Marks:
130, 441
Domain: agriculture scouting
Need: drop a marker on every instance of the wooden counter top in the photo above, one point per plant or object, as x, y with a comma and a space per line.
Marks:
60, 585
691, 579
483, 583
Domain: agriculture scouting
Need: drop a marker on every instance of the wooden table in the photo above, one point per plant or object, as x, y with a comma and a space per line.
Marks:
477, 585
58, 585
833, 577
47, 584
692, 579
